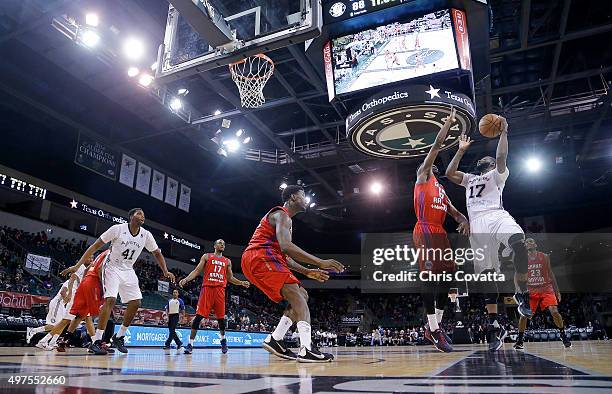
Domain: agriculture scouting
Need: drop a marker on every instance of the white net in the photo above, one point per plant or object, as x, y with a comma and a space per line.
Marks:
251, 75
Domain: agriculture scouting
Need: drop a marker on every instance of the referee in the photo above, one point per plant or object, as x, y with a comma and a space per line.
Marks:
175, 308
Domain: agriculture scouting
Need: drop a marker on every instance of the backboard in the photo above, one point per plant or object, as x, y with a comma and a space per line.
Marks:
255, 26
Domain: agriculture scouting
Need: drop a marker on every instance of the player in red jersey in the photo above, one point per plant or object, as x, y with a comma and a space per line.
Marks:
543, 292
431, 203
217, 272
267, 261
87, 302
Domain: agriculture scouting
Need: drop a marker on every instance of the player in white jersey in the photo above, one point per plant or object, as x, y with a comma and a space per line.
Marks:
118, 276
58, 316
491, 225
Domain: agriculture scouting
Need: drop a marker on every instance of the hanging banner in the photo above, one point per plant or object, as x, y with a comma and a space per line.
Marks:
185, 198
128, 170
37, 263
96, 157
171, 192
143, 178
157, 186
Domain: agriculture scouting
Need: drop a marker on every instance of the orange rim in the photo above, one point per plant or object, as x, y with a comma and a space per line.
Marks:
268, 74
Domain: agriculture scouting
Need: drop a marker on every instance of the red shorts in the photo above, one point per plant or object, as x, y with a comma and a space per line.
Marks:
543, 300
212, 298
433, 241
268, 273
88, 298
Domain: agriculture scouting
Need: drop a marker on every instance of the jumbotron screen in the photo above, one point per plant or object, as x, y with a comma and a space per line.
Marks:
394, 52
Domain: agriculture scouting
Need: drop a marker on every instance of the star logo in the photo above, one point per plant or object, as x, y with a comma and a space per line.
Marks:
74, 204
415, 143
433, 92
165, 235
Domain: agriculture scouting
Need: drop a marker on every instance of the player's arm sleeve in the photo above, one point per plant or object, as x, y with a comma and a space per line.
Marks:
501, 178
150, 243
466, 179
110, 234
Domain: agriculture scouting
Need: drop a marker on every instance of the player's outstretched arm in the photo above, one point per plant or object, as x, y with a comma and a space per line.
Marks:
196, 271
159, 257
452, 171
316, 274
283, 235
464, 224
233, 280
502, 147
423, 170
93, 248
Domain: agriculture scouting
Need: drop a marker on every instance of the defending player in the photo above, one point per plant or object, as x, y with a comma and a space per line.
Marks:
118, 275
267, 261
217, 272
492, 225
87, 302
543, 292
431, 204
59, 316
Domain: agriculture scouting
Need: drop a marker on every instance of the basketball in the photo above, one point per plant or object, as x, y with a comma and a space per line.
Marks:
490, 125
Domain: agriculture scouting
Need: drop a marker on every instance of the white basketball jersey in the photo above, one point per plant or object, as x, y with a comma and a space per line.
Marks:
483, 193
125, 247
79, 273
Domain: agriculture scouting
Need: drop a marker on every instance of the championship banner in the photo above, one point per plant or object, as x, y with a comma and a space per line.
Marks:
157, 186
185, 198
96, 157
9, 299
156, 336
128, 170
143, 178
171, 192
37, 263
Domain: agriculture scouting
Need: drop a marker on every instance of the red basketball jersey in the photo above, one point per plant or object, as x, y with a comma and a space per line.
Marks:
215, 271
264, 238
430, 202
538, 274
96, 265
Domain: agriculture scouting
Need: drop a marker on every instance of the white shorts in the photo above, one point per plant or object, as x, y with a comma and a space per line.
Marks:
57, 310
120, 282
67, 314
487, 232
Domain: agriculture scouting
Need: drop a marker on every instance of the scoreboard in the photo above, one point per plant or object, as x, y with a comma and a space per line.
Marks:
336, 11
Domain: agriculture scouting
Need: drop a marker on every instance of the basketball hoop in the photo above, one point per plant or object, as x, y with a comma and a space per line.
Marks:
251, 75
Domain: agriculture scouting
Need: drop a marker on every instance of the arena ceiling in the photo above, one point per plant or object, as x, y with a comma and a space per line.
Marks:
550, 70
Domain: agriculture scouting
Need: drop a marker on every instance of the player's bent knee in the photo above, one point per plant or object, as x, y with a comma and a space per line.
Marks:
515, 238
521, 259
195, 324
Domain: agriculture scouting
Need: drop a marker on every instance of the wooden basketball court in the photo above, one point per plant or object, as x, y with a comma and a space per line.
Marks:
541, 368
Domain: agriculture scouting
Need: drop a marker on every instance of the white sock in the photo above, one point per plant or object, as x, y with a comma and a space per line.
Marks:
433, 322
121, 331
38, 329
439, 314
191, 341
281, 329
53, 340
45, 339
98, 336
304, 330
